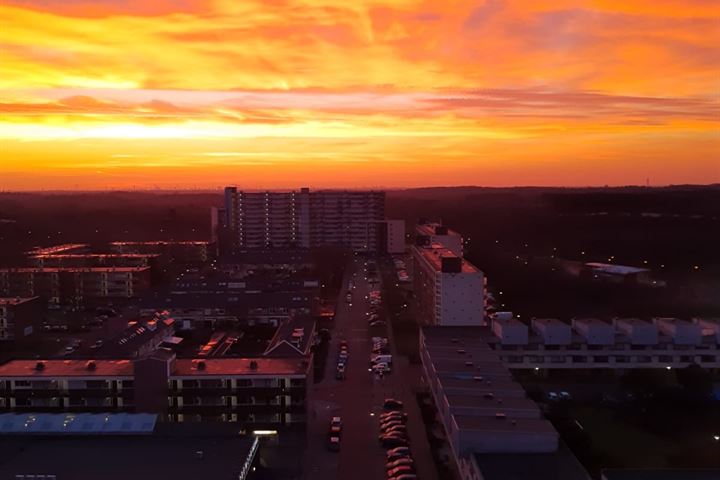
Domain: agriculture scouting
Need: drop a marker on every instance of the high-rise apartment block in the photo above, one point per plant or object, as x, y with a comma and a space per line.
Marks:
304, 219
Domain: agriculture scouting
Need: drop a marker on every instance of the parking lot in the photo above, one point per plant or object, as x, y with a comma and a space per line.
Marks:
358, 398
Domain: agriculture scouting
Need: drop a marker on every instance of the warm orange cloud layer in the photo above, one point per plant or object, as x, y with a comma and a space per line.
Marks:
276, 93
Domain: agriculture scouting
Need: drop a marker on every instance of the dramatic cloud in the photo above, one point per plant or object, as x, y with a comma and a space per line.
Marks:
401, 92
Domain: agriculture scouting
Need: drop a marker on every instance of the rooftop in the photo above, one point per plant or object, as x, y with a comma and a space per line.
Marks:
661, 474
550, 322
429, 229
75, 269
497, 402
293, 337
135, 335
77, 423
615, 269
16, 300
497, 384
493, 424
66, 368
538, 466
434, 255
162, 242
239, 366
175, 455
452, 335
95, 255
65, 247
593, 322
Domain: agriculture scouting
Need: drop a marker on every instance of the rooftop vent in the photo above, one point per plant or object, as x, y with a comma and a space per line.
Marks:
500, 416
253, 365
468, 364
201, 365
90, 365
478, 379
40, 366
461, 351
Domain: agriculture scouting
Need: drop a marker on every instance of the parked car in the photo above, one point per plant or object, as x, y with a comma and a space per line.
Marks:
392, 404
333, 443
340, 372
399, 450
389, 424
395, 429
393, 441
394, 416
400, 470
392, 457
407, 461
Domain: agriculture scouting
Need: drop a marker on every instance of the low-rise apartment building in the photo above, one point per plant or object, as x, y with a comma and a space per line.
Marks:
485, 413
19, 317
589, 343
74, 285
257, 392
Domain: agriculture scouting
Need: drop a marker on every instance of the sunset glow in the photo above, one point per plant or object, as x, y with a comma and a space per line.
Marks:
277, 93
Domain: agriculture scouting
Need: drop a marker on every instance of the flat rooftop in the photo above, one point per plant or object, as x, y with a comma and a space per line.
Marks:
492, 424
163, 242
434, 255
633, 321
596, 322
560, 465
157, 456
71, 256
550, 322
615, 269
493, 384
15, 300
239, 366
476, 352
452, 335
471, 368
75, 269
66, 368
661, 474
498, 403
429, 229
57, 248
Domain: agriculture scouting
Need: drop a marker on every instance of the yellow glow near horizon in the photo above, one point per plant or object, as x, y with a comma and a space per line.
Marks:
395, 93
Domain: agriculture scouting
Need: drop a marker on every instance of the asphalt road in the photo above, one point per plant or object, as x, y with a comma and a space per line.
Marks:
358, 399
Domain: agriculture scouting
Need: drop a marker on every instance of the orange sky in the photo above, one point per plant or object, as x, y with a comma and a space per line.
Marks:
101, 94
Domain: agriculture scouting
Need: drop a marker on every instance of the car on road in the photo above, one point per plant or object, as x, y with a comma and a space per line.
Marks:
400, 470
553, 397
395, 430
407, 461
392, 423
393, 451
336, 422
392, 457
404, 476
392, 404
392, 441
393, 416
333, 443
381, 368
